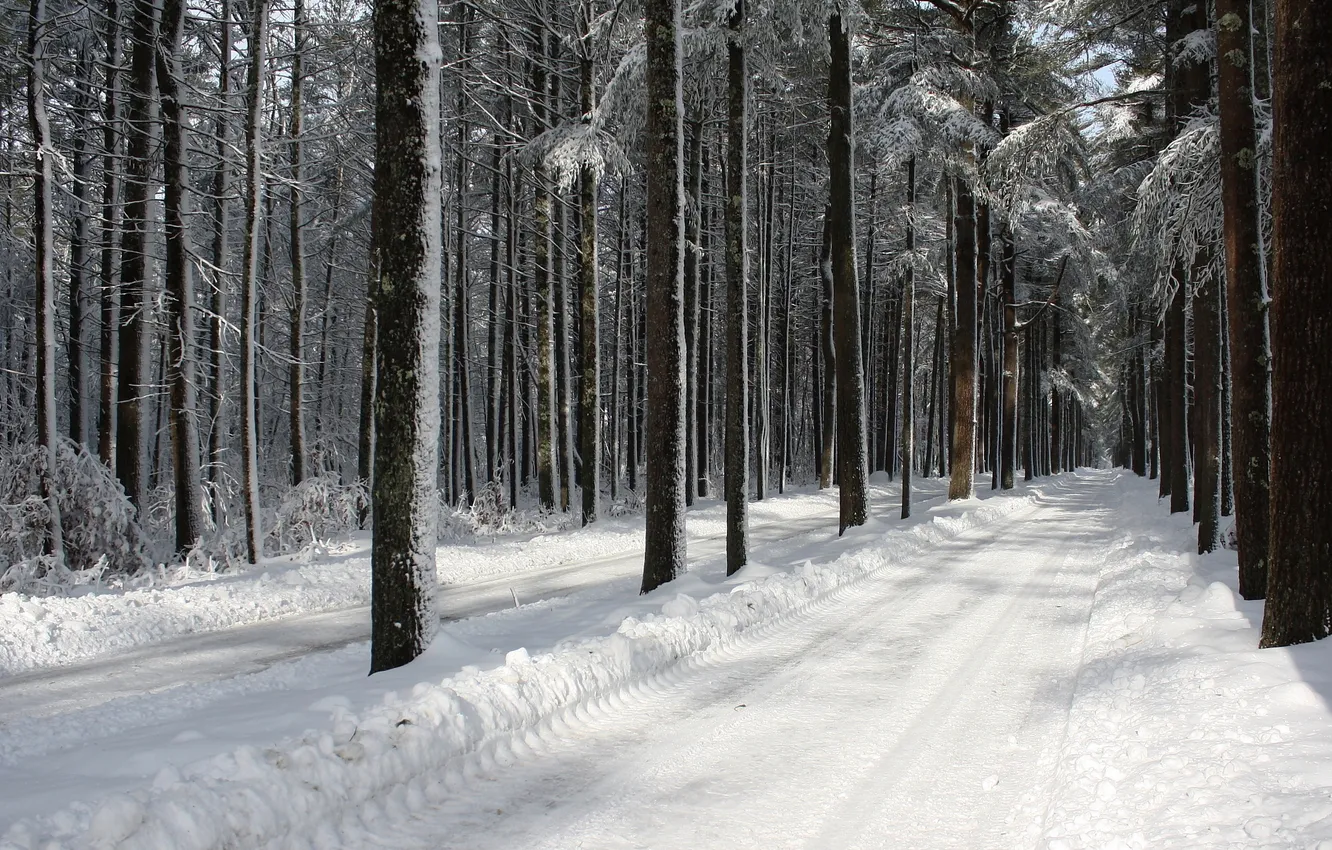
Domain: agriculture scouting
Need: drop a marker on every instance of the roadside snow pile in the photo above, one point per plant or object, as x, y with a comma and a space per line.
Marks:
49, 631
1182, 733
403, 754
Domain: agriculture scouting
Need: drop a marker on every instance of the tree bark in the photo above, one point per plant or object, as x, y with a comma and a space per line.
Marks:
908, 443
1250, 387
1008, 453
1299, 583
43, 212
737, 295
664, 540
254, 219
131, 395
296, 229
963, 354
853, 468
587, 269
110, 278
181, 323
827, 359
406, 244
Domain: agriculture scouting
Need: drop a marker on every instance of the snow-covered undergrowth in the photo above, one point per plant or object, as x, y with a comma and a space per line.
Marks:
1182, 733
398, 753
45, 631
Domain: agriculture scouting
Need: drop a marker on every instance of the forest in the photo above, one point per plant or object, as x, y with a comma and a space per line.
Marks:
277, 270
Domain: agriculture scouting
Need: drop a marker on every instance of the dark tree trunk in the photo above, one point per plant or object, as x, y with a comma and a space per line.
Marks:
694, 157
737, 288
852, 468
132, 395
591, 326
408, 260
827, 359
908, 442
1008, 454
1207, 401
254, 220
221, 257
79, 244
179, 281
664, 540
296, 243
547, 471
110, 278
1250, 389
1177, 383
39, 124
963, 359
1299, 584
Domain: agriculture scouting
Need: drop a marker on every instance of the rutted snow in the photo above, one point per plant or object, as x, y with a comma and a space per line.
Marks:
1165, 727
256, 793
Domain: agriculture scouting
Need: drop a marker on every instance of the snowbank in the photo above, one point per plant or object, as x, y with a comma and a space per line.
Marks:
49, 631
404, 753
1182, 733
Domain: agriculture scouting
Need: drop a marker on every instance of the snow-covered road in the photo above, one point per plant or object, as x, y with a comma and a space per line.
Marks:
922, 707
1050, 669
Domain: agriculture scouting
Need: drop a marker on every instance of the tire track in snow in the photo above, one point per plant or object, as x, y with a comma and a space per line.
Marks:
695, 738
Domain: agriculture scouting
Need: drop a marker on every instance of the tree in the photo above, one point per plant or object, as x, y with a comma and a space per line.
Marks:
1246, 293
407, 262
588, 180
131, 398
664, 438
737, 294
852, 464
254, 220
44, 155
179, 280
1299, 584
909, 345
296, 229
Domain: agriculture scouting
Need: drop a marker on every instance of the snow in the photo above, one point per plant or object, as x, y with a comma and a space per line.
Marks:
1051, 668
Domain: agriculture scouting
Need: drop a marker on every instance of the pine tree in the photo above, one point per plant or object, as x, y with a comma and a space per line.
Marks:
1299, 585
406, 245
664, 543
737, 294
853, 467
1246, 293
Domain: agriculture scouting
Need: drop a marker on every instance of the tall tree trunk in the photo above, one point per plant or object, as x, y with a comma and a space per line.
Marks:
254, 220
703, 416
908, 442
1207, 401
406, 243
181, 325
1008, 454
589, 284
221, 256
132, 388
110, 277
737, 294
827, 358
1299, 582
693, 210
852, 466
664, 541
547, 433
963, 358
1176, 364
296, 229
79, 243
1247, 297
39, 125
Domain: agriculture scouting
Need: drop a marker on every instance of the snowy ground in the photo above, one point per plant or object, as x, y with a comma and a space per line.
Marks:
1045, 669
